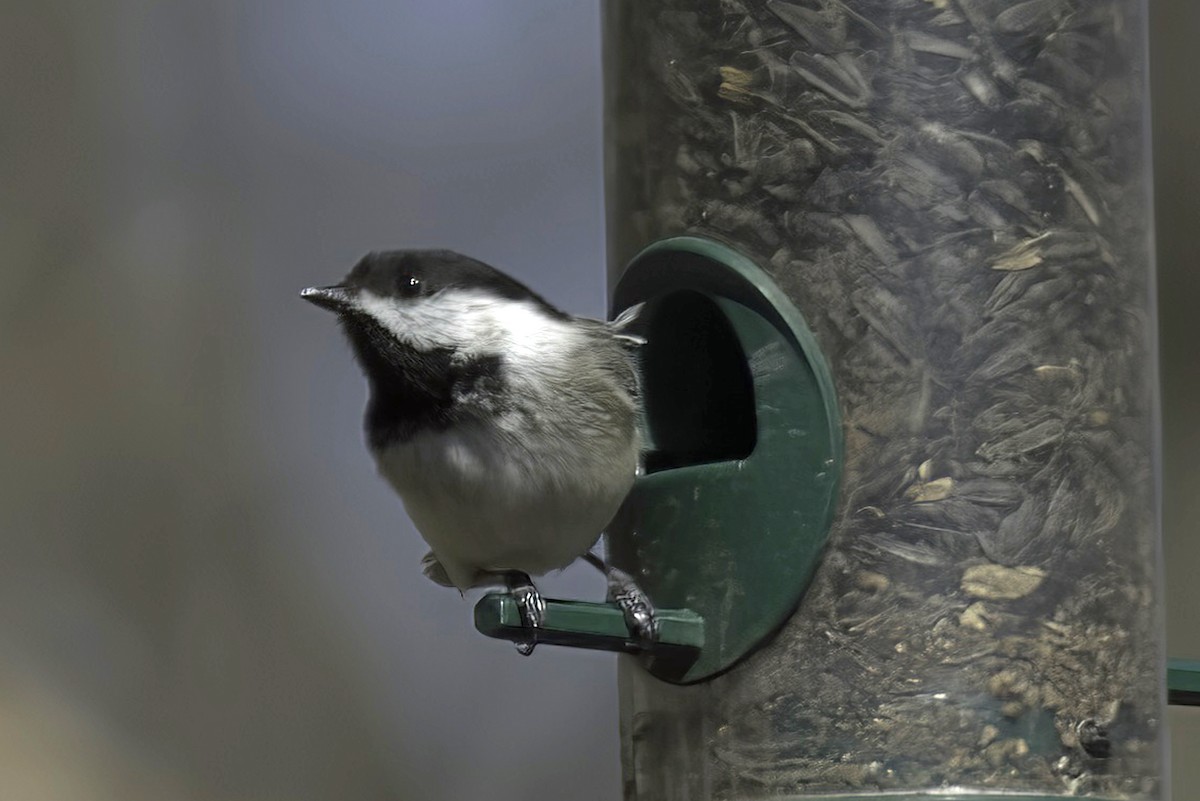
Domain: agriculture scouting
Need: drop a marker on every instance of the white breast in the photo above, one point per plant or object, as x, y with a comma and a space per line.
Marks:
532, 489
483, 502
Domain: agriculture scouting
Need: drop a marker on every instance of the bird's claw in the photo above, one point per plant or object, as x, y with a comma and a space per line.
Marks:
532, 608
639, 612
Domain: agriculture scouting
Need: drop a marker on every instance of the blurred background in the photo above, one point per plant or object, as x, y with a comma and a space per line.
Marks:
205, 591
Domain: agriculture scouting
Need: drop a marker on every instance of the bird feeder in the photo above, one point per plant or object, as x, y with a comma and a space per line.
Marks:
901, 397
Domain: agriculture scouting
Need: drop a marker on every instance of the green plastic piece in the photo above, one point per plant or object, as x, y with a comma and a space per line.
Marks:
733, 517
598, 626
1183, 682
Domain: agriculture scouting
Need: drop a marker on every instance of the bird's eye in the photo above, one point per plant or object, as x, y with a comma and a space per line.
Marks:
408, 285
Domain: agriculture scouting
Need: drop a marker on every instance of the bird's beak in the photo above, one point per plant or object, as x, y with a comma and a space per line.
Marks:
335, 298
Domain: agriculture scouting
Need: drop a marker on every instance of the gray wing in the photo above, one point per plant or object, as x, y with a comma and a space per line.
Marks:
621, 361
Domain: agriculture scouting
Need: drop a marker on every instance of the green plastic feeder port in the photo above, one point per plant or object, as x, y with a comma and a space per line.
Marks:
744, 448
743, 458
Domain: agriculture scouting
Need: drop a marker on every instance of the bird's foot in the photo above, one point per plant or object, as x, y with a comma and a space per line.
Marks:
635, 604
530, 605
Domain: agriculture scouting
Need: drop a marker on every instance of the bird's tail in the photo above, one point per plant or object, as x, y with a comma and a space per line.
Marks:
626, 319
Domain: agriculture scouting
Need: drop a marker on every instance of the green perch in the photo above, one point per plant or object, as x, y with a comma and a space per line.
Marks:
599, 626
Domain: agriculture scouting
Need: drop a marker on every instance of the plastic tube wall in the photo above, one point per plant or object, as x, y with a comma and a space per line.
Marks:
955, 194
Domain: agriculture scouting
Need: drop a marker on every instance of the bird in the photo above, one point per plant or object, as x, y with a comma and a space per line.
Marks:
508, 427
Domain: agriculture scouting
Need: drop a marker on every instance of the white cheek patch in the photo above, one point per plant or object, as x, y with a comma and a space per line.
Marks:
473, 322
425, 323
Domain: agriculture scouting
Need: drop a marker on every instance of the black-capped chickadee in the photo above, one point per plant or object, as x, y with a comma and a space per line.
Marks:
508, 427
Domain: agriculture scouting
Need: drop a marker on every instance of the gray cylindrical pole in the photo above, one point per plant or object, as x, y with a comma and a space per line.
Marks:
955, 194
